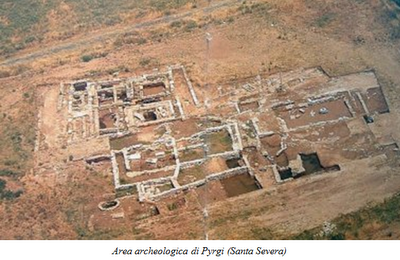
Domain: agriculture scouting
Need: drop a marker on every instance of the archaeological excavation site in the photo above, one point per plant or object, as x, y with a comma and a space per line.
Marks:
169, 144
198, 119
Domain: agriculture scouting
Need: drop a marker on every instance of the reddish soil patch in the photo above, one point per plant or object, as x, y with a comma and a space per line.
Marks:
121, 164
211, 192
336, 109
249, 106
190, 175
122, 142
142, 165
239, 184
150, 90
218, 142
215, 165
375, 101
106, 119
185, 128
272, 141
149, 176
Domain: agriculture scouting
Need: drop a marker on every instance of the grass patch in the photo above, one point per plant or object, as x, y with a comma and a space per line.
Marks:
176, 24
7, 194
9, 173
148, 62
101, 234
254, 8
133, 38
166, 186
390, 18
191, 154
190, 175
191, 25
397, 2
172, 206
362, 224
26, 22
17, 139
89, 57
324, 20
218, 142
126, 192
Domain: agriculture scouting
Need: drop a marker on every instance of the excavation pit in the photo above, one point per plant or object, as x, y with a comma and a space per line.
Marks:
106, 119
239, 184
233, 163
285, 174
153, 89
109, 205
80, 86
311, 163
150, 116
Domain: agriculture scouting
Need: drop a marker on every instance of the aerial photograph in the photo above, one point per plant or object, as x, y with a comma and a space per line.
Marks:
199, 120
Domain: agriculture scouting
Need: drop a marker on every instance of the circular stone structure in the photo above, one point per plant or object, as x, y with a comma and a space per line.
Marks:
109, 205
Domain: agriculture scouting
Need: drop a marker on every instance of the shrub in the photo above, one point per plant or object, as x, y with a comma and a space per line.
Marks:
141, 41
144, 61
2, 185
87, 58
324, 20
191, 25
176, 24
5, 172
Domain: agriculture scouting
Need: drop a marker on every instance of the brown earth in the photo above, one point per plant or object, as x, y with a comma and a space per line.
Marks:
61, 193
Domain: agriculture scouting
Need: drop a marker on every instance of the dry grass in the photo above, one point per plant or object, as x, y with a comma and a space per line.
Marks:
342, 36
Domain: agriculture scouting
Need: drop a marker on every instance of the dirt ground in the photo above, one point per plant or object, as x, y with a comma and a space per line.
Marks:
61, 192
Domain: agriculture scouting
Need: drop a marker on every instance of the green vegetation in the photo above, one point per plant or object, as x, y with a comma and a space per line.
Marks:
191, 154
255, 7
7, 194
190, 25
390, 17
17, 138
172, 206
89, 57
102, 234
359, 224
145, 61
121, 68
9, 173
19, 17
324, 19
262, 233
165, 187
176, 24
192, 174
133, 38
366, 223
397, 2
164, 5
25, 22
218, 142
121, 142
126, 192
